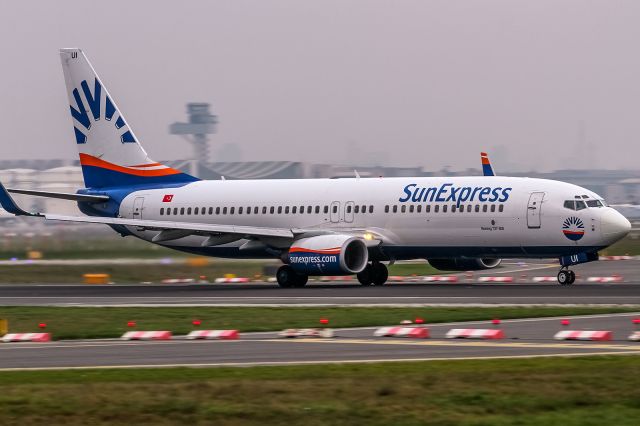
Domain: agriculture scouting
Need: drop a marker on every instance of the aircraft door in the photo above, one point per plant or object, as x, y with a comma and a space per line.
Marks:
534, 209
335, 211
348, 211
138, 206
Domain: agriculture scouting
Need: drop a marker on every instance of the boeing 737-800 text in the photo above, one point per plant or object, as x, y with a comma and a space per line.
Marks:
321, 226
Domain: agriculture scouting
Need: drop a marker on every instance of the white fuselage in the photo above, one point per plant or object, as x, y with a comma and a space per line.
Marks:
413, 217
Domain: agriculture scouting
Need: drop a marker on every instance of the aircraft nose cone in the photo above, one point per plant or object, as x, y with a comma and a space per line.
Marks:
614, 226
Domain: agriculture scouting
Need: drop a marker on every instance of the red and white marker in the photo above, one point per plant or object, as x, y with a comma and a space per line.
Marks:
595, 335
27, 337
214, 335
635, 336
495, 279
440, 279
545, 279
612, 279
146, 335
234, 280
616, 258
475, 333
307, 332
414, 332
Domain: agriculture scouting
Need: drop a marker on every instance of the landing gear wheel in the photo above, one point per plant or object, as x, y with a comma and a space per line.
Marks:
380, 273
286, 276
301, 280
366, 276
564, 277
572, 277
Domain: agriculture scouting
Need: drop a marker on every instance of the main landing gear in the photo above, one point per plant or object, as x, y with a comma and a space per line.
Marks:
566, 277
287, 277
375, 273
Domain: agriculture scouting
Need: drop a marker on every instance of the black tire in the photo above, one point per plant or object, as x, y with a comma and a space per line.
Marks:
301, 280
286, 276
572, 277
564, 277
380, 273
366, 276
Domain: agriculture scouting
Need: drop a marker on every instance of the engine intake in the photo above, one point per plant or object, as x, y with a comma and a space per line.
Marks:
328, 255
464, 264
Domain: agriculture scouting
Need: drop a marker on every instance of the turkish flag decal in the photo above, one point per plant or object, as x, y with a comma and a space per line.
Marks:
167, 198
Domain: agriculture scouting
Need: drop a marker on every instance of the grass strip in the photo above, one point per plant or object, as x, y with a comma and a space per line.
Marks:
529, 392
88, 322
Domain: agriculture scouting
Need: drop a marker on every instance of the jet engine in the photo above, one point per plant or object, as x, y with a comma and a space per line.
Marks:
464, 264
328, 255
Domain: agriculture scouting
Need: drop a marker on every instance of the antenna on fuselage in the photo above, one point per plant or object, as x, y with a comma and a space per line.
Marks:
355, 172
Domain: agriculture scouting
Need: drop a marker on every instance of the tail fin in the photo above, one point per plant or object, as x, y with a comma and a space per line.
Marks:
487, 170
110, 154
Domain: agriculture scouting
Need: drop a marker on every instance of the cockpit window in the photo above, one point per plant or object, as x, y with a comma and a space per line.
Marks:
570, 204
594, 203
580, 205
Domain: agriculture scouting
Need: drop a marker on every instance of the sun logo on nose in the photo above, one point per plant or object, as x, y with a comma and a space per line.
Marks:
573, 228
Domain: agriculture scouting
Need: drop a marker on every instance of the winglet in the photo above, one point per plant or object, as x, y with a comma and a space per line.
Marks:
487, 170
7, 203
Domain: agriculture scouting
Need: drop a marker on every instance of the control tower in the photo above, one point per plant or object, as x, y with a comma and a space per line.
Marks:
201, 123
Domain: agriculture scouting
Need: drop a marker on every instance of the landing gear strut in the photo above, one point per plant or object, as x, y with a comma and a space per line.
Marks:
566, 276
287, 277
375, 273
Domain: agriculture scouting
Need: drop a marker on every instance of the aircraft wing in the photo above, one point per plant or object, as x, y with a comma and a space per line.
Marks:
250, 231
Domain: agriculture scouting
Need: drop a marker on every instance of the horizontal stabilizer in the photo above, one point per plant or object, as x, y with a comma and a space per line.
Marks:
7, 203
62, 195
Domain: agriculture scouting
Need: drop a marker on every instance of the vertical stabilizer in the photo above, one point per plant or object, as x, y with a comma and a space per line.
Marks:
487, 170
110, 153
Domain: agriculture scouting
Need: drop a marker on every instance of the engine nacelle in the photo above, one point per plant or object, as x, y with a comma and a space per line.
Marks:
328, 255
462, 264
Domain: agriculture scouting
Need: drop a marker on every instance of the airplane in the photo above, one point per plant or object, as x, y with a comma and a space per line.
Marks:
316, 227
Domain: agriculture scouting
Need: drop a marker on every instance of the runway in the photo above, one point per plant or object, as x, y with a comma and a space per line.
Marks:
525, 338
265, 294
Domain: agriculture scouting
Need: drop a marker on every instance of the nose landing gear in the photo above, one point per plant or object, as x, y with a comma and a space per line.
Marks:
566, 276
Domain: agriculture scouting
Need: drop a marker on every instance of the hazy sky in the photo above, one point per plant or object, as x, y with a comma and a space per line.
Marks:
427, 83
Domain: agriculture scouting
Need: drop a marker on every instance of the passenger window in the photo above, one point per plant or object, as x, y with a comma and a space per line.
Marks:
272, 210
294, 209
240, 210
182, 211
501, 208
461, 209
189, 210
386, 209
370, 209
411, 208
484, 208
175, 211
477, 208
224, 210
404, 208
428, 208
419, 208
217, 210
168, 212
364, 209
232, 210
453, 208
309, 209
570, 204
493, 208
301, 209
286, 210
279, 209
196, 210
469, 208
356, 209
162, 211
444, 208
317, 209
210, 210
335, 209
580, 205
395, 209
436, 208
204, 211
349, 209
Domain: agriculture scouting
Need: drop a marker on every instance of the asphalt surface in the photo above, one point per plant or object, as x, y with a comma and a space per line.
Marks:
525, 338
413, 294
